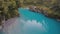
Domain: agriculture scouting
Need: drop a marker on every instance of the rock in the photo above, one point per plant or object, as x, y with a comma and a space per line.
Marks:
0, 27
46, 13
58, 19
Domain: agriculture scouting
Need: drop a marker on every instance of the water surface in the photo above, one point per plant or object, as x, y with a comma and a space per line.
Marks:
34, 23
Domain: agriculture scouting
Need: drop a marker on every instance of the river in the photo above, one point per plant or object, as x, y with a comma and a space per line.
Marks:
34, 23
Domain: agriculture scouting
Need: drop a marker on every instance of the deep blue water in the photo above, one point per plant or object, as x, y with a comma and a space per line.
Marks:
51, 25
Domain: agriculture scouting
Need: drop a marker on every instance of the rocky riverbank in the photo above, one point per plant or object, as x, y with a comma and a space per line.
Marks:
45, 12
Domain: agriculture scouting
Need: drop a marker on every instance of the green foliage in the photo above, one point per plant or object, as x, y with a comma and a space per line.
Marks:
8, 9
51, 6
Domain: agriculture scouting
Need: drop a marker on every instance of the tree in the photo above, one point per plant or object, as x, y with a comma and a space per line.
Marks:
8, 9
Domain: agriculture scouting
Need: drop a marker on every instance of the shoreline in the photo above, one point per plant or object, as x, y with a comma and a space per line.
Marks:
39, 10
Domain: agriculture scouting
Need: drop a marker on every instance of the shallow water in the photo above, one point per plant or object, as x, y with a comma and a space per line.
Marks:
34, 23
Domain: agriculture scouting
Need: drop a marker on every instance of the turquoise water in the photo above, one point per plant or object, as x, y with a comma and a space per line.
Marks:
34, 23
49, 26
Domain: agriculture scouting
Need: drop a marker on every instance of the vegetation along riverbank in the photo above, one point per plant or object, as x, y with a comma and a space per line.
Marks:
50, 8
8, 9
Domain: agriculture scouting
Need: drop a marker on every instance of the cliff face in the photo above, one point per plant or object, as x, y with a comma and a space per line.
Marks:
8, 9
